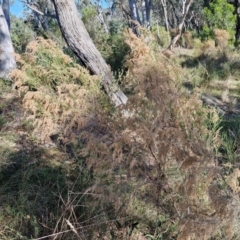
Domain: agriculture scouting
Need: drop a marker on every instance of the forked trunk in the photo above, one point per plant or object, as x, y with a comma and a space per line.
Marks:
180, 26
81, 44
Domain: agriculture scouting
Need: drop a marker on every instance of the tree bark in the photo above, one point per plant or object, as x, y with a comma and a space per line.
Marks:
134, 16
164, 5
7, 59
148, 4
81, 44
101, 19
6, 8
237, 7
144, 13
134, 11
37, 20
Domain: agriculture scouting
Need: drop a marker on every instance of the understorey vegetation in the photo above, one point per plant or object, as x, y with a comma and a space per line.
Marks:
163, 166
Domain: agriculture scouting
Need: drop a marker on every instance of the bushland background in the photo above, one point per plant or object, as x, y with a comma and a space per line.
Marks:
163, 166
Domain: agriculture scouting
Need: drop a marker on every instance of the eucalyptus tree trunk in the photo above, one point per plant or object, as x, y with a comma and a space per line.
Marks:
7, 59
148, 4
237, 7
183, 6
134, 16
101, 19
37, 20
164, 5
144, 13
6, 10
81, 44
146, 10
180, 26
134, 11
173, 16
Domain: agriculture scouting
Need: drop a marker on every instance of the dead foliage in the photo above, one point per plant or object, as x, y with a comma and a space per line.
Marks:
55, 91
221, 38
158, 154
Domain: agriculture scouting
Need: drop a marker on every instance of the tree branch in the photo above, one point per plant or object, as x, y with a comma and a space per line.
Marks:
33, 8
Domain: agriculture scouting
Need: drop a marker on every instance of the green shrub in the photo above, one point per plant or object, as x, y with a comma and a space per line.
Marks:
162, 36
115, 51
21, 34
219, 15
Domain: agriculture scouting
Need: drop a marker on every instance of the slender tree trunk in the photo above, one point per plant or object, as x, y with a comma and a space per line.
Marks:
148, 4
174, 18
183, 6
180, 26
46, 23
101, 19
237, 7
144, 13
81, 44
37, 20
164, 4
134, 16
7, 59
134, 11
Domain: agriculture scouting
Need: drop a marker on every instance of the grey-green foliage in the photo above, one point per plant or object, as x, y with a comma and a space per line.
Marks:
21, 34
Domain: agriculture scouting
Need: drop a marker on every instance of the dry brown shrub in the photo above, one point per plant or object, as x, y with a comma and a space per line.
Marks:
158, 155
33, 48
60, 107
208, 47
168, 53
221, 38
187, 39
138, 49
233, 180
63, 113
155, 154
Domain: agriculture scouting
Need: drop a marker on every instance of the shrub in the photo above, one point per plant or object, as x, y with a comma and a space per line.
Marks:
54, 89
162, 36
43, 180
219, 15
221, 38
159, 155
21, 34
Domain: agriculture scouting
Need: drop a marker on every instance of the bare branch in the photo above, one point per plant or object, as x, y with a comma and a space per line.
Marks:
33, 8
